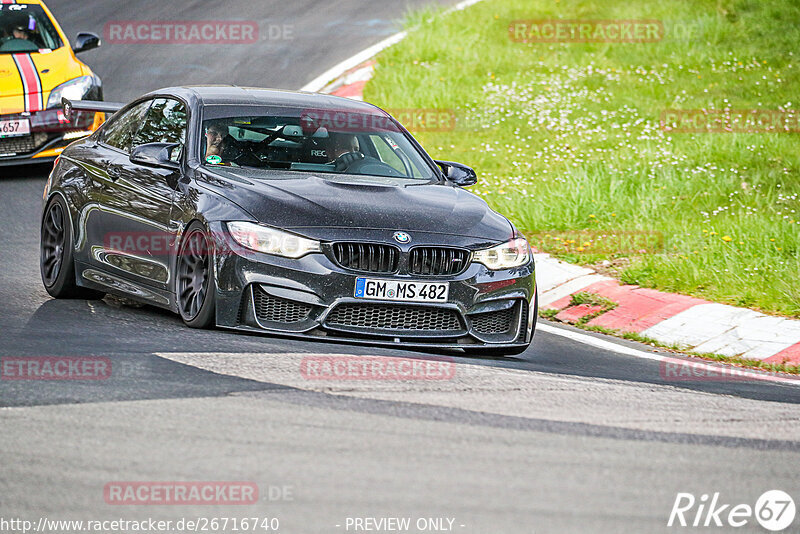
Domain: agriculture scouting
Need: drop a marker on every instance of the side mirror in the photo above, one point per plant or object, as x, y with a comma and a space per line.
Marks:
86, 41
457, 173
155, 155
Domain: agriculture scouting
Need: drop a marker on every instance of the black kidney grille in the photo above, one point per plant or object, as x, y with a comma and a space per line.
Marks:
367, 257
278, 310
495, 322
395, 317
436, 261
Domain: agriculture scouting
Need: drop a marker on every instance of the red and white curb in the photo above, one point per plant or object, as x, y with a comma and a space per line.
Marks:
691, 323
351, 83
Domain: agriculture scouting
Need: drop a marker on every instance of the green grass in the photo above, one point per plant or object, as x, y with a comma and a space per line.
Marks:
591, 299
548, 313
566, 138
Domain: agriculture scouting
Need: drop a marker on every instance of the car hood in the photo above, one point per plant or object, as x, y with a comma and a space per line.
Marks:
309, 202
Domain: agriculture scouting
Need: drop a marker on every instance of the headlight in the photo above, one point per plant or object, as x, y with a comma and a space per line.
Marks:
271, 241
514, 253
74, 89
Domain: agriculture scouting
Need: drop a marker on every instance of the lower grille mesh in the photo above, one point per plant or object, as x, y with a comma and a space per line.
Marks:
21, 144
278, 310
496, 322
393, 317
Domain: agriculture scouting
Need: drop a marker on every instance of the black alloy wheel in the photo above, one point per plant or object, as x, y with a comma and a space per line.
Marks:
53, 238
195, 284
56, 263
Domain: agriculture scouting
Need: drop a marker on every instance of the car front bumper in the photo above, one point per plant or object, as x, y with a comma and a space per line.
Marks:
313, 297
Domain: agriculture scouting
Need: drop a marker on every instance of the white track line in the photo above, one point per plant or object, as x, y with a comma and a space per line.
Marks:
334, 72
628, 351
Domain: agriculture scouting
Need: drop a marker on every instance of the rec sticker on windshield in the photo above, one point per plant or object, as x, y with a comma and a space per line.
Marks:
400, 290
214, 159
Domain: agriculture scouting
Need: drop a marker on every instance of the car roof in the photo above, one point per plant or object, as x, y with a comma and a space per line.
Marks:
221, 95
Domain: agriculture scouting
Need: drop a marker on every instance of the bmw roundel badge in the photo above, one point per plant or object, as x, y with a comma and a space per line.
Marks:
402, 237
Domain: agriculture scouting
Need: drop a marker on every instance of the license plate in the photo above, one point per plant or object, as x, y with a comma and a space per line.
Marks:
401, 290
15, 128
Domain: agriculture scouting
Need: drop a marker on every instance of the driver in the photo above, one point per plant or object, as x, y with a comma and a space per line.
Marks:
344, 143
215, 136
344, 150
20, 32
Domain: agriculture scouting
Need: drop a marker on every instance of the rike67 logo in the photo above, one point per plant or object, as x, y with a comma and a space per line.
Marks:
774, 510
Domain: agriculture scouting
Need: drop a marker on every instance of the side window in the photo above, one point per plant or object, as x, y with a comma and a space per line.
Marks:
165, 123
388, 155
120, 131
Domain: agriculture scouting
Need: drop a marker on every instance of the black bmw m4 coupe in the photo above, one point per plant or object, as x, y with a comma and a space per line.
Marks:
285, 213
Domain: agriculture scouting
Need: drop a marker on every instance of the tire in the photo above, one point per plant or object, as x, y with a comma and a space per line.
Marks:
195, 287
56, 262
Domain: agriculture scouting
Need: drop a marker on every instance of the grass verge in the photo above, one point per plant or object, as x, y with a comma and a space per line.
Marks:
567, 142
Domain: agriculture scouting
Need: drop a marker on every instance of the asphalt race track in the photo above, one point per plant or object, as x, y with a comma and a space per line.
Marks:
565, 438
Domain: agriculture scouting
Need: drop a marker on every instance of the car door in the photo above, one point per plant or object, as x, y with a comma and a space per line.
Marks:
98, 237
136, 202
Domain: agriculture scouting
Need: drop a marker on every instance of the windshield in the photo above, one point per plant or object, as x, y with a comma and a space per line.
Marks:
320, 141
26, 28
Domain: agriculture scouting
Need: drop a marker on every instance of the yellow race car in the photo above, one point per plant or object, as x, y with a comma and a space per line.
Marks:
38, 68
